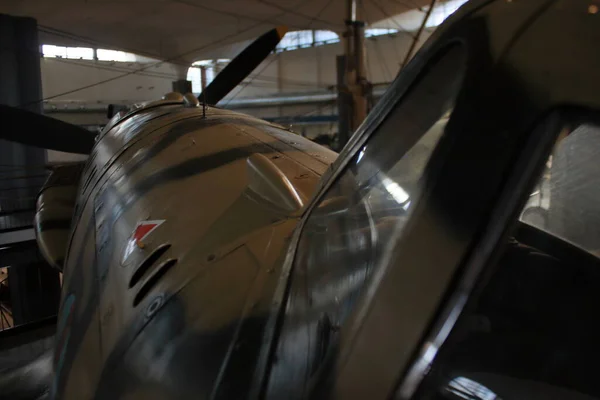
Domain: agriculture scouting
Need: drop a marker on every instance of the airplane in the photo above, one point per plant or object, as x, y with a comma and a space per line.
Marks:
210, 254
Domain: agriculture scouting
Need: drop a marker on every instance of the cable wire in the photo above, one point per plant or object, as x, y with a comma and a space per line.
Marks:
231, 14
245, 85
421, 28
161, 62
150, 65
412, 5
382, 64
83, 39
273, 59
163, 75
266, 80
388, 75
401, 29
320, 12
293, 12
172, 60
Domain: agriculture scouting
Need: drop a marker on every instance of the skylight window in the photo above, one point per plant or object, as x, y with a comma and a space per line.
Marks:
49, 50
443, 11
302, 39
80, 53
86, 53
115, 55
326, 37
212, 68
379, 32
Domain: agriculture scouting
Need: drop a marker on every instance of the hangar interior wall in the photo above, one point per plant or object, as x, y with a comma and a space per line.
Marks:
302, 71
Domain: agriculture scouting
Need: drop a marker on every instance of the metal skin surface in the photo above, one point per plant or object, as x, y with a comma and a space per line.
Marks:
29, 381
54, 210
211, 300
519, 69
190, 324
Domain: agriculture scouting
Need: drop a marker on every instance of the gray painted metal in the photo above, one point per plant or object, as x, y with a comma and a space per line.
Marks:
177, 279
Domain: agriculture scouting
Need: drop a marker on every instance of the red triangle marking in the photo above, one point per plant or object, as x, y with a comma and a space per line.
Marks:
142, 230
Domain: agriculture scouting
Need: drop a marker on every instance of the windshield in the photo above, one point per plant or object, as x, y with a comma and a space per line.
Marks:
527, 329
565, 201
357, 222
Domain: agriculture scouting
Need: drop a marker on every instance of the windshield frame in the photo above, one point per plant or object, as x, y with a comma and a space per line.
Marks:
503, 223
574, 120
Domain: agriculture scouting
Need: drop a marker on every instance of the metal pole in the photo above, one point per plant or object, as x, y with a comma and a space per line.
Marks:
203, 77
352, 10
344, 104
353, 88
418, 35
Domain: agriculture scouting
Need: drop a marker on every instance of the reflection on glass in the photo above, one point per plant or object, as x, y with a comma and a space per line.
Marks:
395, 190
465, 388
344, 241
527, 330
566, 200
349, 232
361, 154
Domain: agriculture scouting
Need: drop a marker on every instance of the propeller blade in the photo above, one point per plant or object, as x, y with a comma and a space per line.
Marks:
241, 66
37, 130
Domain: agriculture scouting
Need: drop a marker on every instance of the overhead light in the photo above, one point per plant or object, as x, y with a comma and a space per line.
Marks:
361, 154
395, 190
466, 388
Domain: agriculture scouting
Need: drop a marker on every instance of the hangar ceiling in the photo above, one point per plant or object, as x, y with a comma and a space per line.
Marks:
185, 30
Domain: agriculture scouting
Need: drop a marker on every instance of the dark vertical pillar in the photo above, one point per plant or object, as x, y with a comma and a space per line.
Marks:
20, 80
355, 96
203, 80
344, 104
182, 86
21, 86
34, 292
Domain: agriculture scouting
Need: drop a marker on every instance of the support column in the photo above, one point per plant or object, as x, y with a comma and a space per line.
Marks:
203, 79
34, 292
21, 86
216, 67
182, 85
344, 104
353, 88
280, 89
